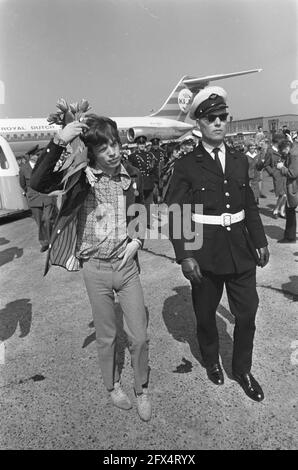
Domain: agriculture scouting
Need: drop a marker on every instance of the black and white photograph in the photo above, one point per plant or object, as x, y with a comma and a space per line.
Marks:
148, 228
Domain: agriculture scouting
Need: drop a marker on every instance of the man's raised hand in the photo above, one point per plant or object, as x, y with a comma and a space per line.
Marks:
71, 131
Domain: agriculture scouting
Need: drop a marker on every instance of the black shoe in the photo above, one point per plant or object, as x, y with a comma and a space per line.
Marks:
275, 216
215, 374
286, 240
263, 196
44, 248
250, 386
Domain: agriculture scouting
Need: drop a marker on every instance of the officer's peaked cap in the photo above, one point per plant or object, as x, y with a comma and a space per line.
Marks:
142, 139
33, 150
188, 140
208, 100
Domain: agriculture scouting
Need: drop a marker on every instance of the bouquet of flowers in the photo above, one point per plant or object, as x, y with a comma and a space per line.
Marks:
77, 151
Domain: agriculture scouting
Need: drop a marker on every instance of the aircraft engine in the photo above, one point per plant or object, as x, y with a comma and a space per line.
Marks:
151, 132
135, 132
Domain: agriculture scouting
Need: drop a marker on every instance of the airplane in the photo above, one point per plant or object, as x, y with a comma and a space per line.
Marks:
168, 123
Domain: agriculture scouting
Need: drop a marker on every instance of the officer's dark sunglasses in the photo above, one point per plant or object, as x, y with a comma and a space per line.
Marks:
212, 117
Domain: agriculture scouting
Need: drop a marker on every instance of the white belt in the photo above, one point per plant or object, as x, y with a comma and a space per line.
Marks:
224, 219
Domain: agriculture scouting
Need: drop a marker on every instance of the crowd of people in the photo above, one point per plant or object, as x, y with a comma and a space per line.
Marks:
211, 171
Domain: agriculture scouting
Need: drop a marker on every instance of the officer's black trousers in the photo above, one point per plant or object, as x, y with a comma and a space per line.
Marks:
291, 223
243, 301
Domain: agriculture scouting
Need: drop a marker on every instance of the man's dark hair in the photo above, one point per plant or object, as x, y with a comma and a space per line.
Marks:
101, 131
171, 147
284, 144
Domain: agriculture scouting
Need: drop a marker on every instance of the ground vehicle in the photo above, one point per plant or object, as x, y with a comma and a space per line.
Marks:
12, 199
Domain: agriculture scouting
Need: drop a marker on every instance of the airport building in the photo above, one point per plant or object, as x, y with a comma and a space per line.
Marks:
270, 124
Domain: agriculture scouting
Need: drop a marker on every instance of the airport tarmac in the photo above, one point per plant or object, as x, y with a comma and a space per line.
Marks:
51, 392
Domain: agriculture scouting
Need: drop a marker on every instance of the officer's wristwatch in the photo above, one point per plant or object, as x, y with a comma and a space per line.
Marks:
58, 141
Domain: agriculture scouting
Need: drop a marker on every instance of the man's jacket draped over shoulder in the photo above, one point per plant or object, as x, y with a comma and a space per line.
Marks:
197, 180
64, 236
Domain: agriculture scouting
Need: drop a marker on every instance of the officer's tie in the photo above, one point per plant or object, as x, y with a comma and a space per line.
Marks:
217, 160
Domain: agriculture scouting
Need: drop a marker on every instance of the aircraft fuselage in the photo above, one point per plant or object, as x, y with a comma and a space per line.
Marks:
23, 134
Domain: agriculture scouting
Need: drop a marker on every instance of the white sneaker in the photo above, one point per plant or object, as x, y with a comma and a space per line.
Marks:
119, 398
144, 405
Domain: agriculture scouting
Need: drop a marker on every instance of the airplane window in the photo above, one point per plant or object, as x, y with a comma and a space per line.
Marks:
3, 161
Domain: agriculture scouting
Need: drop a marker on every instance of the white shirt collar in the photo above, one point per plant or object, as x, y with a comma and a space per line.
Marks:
252, 155
209, 148
124, 176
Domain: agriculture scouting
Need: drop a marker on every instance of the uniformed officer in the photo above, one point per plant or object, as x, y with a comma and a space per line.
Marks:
233, 240
160, 157
146, 163
43, 207
186, 146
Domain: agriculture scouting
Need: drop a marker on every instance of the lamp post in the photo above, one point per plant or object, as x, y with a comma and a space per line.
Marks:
231, 119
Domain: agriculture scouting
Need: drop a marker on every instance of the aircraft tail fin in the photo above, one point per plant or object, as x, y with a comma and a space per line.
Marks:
178, 102
176, 105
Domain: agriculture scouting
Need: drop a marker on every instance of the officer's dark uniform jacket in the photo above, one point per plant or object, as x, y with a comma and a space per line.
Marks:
146, 163
34, 198
44, 179
160, 159
197, 180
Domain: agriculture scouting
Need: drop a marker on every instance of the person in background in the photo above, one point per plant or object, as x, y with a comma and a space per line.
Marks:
160, 157
273, 157
145, 162
287, 133
254, 174
289, 169
186, 146
22, 159
173, 156
94, 233
259, 135
43, 207
262, 148
232, 241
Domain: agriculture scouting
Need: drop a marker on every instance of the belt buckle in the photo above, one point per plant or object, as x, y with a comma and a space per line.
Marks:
226, 220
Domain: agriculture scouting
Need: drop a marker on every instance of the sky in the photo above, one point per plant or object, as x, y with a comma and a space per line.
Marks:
126, 56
